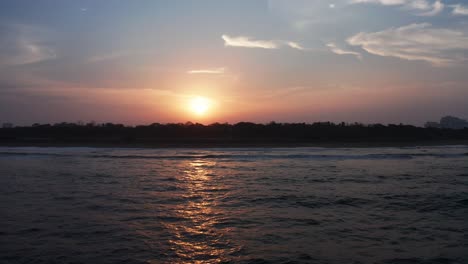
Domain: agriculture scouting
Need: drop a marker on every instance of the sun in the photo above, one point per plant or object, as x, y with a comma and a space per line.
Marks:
200, 105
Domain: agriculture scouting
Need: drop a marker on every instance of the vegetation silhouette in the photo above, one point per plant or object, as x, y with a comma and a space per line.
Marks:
217, 134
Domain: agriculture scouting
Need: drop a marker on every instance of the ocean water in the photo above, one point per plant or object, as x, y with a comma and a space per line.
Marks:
252, 205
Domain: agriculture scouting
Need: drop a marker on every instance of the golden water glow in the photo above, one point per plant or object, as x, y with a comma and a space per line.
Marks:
195, 238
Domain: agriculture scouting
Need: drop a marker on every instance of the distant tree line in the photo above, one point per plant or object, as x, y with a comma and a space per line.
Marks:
223, 132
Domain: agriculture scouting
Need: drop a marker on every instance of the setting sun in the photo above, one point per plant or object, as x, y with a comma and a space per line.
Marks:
200, 105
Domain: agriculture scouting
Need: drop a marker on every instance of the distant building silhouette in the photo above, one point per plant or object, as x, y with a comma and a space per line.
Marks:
449, 122
7, 125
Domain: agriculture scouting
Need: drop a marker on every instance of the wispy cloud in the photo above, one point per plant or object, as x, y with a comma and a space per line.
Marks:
437, 7
295, 45
303, 14
415, 4
426, 7
248, 42
460, 10
113, 55
439, 46
24, 44
333, 48
207, 71
383, 2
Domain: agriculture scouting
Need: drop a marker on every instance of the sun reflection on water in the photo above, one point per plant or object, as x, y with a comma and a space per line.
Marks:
197, 238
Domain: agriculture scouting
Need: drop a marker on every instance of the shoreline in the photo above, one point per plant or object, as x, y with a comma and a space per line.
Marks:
156, 145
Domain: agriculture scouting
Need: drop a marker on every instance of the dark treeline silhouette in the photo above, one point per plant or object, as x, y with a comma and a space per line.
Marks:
219, 134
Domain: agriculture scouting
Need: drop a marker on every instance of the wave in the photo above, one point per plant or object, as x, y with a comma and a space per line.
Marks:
242, 156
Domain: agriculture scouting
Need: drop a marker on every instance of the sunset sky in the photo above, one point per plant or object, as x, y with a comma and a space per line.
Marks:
146, 61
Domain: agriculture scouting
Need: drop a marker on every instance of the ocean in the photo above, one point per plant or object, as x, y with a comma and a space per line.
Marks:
239, 205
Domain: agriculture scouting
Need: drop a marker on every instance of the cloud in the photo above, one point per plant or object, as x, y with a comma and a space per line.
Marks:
339, 51
207, 71
294, 45
439, 46
24, 44
247, 42
437, 7
421, 5
303, 14
414, 4
460, 10
383, 2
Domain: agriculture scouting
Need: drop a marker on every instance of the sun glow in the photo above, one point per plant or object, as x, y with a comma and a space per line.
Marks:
200, 105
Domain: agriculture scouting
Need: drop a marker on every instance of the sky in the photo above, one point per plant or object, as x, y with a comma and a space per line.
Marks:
147, 61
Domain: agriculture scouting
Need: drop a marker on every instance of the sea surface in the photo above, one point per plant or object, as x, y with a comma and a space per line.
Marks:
251, 205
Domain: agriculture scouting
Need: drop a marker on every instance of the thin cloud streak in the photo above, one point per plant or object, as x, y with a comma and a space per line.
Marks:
295, 45
422, 5
438, 46
333, 48
207, 71
383, 2
247, 42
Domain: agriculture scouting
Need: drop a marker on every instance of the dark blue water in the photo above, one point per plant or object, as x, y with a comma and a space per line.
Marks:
300, 205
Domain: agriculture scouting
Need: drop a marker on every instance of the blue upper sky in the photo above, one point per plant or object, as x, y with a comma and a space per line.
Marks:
369, 61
